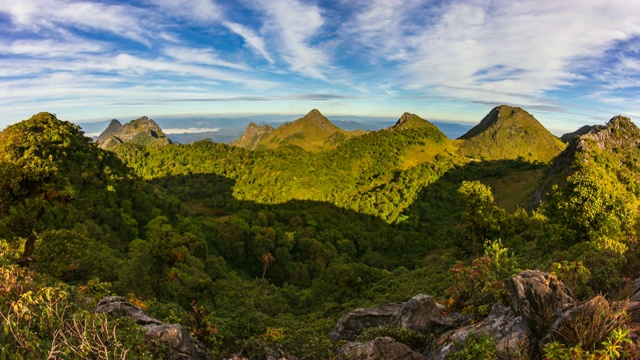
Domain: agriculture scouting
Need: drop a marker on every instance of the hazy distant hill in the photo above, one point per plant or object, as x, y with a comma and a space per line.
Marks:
509, 133
141, 131
312, 132
572, 135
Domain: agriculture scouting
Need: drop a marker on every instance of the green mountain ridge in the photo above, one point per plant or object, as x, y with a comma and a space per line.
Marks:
508, 133
312, 132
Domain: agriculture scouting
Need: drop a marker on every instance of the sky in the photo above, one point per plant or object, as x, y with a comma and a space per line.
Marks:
569, 63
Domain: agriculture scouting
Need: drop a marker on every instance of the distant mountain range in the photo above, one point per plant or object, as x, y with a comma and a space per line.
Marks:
187, 129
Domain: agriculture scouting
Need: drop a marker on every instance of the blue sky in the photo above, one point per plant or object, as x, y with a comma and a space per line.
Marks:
567, 62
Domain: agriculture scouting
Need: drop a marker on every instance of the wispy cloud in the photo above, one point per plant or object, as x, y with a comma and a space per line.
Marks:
52, 15
293, 25
189, 130
201, 56
253, 40
205, 11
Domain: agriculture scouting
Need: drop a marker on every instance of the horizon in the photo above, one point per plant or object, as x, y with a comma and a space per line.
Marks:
569, 64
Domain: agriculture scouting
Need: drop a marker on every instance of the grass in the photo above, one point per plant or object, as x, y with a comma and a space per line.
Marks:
514, 189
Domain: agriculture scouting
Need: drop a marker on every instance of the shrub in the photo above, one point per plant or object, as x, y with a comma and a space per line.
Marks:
476, 347
575, 275
590, 324
616, 346
478, 286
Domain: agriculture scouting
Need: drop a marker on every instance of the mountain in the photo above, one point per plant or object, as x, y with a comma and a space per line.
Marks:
312, 132
510, 133
412, 121
114, 127
572, 135
142, 131
253, 135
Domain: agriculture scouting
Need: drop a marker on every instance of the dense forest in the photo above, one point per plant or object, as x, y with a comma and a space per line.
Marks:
250, 249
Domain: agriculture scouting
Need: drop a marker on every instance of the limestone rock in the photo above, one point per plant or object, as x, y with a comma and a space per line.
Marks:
595, 315
118, 306
183, 345
507, 329
538, 297
352, 323
423, 314
382, 348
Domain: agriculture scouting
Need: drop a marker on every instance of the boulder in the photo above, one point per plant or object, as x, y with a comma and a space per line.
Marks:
382, 348
183, 346
538, 297
507, 329
118, 306
587, 323
423, 314
352, 323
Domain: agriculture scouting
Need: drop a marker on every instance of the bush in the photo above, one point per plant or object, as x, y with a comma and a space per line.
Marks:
616, 346
40, 320
590, 324
480, 285
476, 347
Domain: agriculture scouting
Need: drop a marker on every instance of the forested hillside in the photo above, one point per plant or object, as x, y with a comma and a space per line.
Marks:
250, 249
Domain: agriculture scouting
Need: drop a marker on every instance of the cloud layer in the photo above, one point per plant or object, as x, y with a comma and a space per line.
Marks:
570, 61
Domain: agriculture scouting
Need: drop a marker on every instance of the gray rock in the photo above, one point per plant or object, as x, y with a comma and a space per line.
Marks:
118, 306
538, 297
352, 323
382, 348
587, 323
423, 314
507, 329
183, 346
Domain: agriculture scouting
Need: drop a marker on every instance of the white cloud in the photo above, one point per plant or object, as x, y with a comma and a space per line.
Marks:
189, 130
54, 15
517, 47
500, 51
201, 56
205, 11
51, 48
253, 40
293, 26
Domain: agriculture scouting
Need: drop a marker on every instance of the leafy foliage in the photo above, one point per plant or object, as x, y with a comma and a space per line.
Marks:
476, 346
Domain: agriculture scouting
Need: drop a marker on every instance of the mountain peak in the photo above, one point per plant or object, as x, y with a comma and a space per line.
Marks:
140, 131
315, 118
114, 127
509, 132
620, 131
312, 132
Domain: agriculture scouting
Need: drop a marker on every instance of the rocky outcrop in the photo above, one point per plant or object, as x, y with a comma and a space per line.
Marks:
352, 323
142, 131
596, 317
382, 348
113, 128
542, 310
421, 313
183, 346
537, 297
252, 136
507, 329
